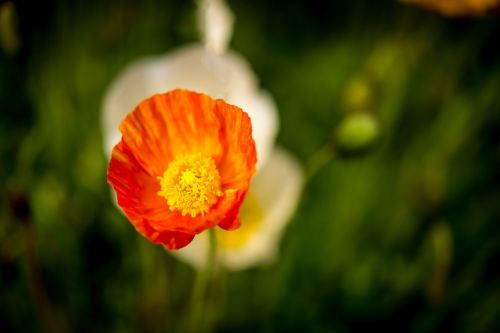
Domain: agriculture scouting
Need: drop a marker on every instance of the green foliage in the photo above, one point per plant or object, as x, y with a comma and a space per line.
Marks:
403, 235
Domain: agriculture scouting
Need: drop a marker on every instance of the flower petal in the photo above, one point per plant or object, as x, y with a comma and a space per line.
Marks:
172, 240
167, 125
240, 156
136, 190
216, 24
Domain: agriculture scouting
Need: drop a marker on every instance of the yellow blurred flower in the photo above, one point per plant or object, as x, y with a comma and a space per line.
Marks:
457, 7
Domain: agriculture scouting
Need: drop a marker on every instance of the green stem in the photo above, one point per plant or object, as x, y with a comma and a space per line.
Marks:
197, 319
318, 160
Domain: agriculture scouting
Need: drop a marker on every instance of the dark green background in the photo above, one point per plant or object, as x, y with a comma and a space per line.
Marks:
401, 236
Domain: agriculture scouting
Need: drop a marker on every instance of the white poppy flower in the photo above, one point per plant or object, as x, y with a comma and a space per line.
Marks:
274, 192
226, 76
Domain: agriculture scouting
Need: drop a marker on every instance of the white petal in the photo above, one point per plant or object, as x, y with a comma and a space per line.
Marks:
228, 76
215, 21
277, 188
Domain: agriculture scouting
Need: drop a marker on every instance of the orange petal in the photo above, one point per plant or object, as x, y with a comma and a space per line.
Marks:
231, 224
166, 125
237, 165
172, 240
136, 190
231, 218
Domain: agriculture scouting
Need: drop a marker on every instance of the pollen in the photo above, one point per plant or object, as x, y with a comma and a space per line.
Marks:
191, 184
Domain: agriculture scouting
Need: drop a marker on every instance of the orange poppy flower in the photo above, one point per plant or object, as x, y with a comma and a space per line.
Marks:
183, 165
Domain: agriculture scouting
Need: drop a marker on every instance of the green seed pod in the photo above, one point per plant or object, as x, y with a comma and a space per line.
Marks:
356, 132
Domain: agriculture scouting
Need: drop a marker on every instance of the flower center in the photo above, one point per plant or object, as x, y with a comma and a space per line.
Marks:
191, 184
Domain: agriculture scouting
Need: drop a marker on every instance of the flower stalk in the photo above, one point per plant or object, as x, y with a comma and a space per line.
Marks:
198, 322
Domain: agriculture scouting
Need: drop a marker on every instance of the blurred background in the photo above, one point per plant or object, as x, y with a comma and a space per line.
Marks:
399, 231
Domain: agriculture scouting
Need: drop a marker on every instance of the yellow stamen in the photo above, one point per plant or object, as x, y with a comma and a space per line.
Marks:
191, 184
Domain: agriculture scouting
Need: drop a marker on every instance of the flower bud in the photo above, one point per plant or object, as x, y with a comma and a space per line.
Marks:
356, 132
358, 94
